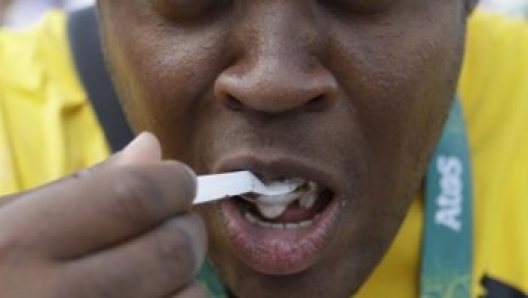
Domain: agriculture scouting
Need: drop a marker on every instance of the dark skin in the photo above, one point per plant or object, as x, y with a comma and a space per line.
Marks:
352, 94
4, 4
119, 229
357, 89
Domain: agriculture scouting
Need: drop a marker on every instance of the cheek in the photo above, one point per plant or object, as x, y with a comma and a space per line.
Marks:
401, 81
163, 75
399, 70
153, 76
407, 62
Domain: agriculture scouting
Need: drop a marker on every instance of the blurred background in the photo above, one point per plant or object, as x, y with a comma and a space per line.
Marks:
22, 13
511, 7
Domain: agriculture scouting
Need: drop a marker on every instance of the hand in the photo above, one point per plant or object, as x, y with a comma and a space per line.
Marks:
120, 229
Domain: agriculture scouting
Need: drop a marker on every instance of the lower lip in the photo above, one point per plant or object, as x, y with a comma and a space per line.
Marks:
278, 252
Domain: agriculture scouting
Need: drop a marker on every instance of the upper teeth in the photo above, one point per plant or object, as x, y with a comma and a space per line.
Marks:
273, 206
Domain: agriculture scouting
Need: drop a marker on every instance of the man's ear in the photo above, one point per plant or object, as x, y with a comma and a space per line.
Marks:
470, 5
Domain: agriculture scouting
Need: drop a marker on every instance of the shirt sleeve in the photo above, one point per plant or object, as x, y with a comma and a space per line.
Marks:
47, 127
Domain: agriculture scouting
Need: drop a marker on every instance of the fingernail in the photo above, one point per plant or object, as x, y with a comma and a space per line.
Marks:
189, 170
145, 148
137, 141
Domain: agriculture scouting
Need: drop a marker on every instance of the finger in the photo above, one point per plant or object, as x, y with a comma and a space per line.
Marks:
8, 199
195, 290
96, 211
143, 149
162, 262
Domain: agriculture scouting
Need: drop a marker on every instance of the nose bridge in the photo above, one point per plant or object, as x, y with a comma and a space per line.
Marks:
278, 70
283, 36
279, 29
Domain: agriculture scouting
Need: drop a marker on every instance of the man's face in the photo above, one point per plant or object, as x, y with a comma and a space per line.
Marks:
347, 95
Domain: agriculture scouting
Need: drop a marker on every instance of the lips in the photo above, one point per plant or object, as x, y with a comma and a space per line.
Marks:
294, 240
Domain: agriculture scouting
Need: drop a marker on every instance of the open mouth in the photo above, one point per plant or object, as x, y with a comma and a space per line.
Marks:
282, 234
296, 210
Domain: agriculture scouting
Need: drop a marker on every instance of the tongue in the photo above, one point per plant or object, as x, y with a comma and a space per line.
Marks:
294, 214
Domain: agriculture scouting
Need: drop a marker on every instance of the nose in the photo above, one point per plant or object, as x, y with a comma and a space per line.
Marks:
280, 70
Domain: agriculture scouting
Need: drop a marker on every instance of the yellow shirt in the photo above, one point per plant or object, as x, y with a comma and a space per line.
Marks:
494, 90
48, 129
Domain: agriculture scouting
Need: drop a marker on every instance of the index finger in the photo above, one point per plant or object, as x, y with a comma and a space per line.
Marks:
144, 149
96, 211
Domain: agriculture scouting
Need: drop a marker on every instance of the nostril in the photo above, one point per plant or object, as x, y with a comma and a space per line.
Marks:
233, 103
316, 104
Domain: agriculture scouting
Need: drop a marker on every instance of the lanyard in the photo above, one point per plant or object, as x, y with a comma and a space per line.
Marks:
448, 244
448, 236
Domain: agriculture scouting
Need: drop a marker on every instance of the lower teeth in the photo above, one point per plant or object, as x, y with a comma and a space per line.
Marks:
279, 226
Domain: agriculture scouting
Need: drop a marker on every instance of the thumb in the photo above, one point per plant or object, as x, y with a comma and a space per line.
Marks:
145, 148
